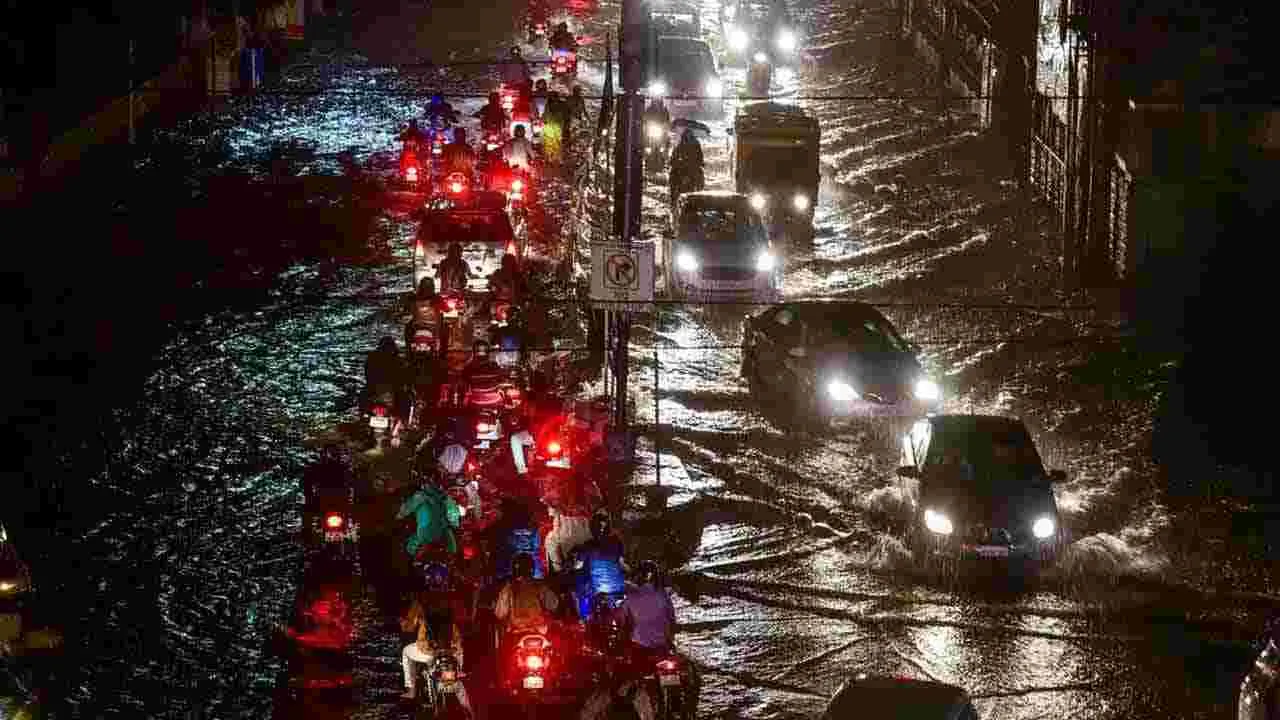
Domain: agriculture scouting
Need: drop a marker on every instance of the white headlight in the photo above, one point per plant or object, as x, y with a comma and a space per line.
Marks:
765, 262
7, 586
714, 87
686, 261
1043, 527
937, 522
657, 88
787, 40
653, 130
841, 391
738, 39
801, 201
758, 201
927, 390
760, 57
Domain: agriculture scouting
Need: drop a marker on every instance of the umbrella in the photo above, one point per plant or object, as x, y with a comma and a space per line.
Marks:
701, 129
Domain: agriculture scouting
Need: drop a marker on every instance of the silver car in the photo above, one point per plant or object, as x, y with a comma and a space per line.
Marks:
721, 250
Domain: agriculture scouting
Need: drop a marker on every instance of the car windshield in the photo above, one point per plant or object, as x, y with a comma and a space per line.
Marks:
685, 60
794, 166
718, 225
994, 457
471, 228
860, 330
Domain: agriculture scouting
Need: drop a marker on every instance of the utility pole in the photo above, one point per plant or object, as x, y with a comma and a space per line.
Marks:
628, 177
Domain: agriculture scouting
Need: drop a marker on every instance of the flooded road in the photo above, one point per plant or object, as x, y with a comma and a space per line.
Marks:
781, 540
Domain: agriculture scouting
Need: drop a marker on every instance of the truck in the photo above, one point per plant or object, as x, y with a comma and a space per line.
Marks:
775, 164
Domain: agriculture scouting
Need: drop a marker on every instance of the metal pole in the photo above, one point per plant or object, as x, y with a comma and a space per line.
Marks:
657, 425
133, 136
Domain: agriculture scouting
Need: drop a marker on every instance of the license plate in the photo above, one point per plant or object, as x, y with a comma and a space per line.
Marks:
533, 682
451, 314
993, 551
668, 680
379, 423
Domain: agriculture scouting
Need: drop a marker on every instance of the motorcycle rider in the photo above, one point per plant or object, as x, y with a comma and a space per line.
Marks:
686, 173
515, 72
439, 113
578, 108
555, 122
539, 97
433, 617
453, 272
437, 515
525, 604
385, 376
413, 137
518, 151
599, 564
623, 676
562, 39
482, 376
459, 156
507, 283
570, 506
493, 118
518, 531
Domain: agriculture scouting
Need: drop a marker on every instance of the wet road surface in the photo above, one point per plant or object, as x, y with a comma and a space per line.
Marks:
781, 540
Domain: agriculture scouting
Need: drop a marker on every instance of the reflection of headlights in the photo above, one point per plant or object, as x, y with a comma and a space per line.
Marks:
937, 522
787, 40
7, 586
927, 390
1043, 527
738, 39
800, 201
657, 87
765, 262
758, 201
714, 87
841, 391
760, 57
686, 261
654, 131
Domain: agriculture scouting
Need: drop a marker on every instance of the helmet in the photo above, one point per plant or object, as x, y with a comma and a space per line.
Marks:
649, 573
522, 566
541, 85
515, 51
436, 576
481, 348
453, 458
563, 27
455, 251
426, 288
600, 524
519, 131
387, 345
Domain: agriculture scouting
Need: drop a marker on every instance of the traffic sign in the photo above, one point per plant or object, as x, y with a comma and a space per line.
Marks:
622, 277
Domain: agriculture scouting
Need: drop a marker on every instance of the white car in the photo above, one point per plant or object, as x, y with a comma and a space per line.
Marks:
721, 249
687, 77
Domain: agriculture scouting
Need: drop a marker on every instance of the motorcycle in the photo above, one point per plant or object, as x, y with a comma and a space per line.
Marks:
564, 63
436, 687
457, 187
382, 423
670, 685
410, 168
535, 668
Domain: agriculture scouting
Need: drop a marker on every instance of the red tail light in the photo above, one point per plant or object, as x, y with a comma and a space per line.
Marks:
534, 662
333, 521
455, 187
511, 248
668, 666
554, 448
468, 552
411, 174
471, 466
379, 411
452, 303
517, 185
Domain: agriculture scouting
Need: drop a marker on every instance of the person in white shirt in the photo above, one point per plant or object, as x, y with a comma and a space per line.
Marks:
518, 151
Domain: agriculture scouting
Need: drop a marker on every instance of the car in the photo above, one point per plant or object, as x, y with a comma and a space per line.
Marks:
1260, 689
482, 227
835, 361
775, 157
977, 490
686, 75
720, 249
898, 698
671, 17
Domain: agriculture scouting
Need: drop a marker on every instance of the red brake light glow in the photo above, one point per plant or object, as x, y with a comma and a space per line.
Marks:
411, 174
517, 185
379, 411
533, 662
333, 521
456, 187
483, 427
511, 248
452, 303
553, 447
667, 665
